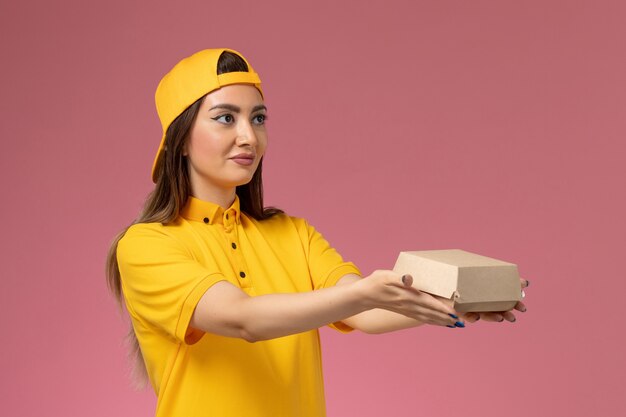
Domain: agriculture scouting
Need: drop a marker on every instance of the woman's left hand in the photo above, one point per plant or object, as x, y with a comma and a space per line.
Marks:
498, 316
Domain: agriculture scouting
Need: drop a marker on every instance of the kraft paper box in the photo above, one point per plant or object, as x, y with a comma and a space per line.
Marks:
472, 282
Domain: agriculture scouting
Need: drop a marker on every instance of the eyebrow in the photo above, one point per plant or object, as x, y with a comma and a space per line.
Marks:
237, 109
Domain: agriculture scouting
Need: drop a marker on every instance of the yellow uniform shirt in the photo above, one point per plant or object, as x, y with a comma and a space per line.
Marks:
165, 270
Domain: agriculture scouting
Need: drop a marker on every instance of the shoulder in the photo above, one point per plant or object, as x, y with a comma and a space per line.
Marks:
147, 230
150, 236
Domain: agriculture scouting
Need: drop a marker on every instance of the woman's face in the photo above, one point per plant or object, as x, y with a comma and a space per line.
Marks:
227, 140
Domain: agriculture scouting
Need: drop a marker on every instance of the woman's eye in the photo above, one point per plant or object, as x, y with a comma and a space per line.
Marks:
259, 119
225, 118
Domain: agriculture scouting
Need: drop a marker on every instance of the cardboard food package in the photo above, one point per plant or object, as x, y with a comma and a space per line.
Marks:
471, 282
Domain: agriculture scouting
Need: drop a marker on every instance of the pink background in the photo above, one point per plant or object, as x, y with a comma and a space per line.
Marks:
493, 126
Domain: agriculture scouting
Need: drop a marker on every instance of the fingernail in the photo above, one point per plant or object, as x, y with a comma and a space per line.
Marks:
501, 320
451, 326
477, 318
527, 283
514, 320
404, 277
453, 316
524, 310
459, 324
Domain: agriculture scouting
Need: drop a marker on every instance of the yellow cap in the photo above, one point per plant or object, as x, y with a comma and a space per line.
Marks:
190, 79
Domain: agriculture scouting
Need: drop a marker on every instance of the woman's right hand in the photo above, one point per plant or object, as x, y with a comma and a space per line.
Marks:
391, 291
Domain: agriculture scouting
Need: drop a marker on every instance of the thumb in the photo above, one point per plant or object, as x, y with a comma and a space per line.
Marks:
407, 280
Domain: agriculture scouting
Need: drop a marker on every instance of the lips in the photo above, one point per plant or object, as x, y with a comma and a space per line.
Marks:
243, 159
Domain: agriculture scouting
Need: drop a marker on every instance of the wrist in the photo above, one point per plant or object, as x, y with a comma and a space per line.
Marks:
364, 294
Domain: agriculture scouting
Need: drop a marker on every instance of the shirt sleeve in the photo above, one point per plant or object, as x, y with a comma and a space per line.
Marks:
326, 266
161, 281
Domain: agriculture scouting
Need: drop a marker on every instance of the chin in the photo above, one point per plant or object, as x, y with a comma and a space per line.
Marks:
242, 181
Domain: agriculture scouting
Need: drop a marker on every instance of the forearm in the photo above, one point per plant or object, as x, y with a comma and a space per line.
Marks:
228, 311
378, 321
277, 315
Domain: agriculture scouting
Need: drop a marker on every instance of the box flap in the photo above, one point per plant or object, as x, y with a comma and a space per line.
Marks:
423, 269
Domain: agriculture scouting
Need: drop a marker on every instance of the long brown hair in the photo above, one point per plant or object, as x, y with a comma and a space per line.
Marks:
170, 194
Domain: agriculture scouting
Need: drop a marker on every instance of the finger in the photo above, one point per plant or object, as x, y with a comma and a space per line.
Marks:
508, 316
427, 315
443, 319
454, 324
471, 317
407, 280
441, 305
420, 305
520, 307
491, 317
427, 309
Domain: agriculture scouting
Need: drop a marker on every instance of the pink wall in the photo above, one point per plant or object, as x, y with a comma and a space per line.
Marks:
493, 126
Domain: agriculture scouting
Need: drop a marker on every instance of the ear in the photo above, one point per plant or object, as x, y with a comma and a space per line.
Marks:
185, 153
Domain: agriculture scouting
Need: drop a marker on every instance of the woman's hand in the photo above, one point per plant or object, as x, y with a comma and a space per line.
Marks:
393, 292
499, 316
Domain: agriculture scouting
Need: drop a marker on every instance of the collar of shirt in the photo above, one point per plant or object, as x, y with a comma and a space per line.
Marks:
211, 213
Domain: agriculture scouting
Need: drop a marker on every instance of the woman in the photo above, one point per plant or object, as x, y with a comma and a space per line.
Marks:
226, 296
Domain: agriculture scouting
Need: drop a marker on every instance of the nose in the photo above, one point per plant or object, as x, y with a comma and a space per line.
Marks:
245, 133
